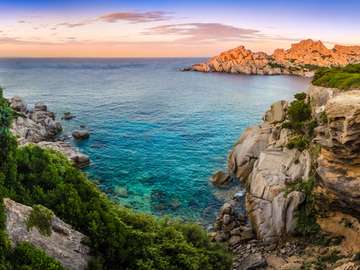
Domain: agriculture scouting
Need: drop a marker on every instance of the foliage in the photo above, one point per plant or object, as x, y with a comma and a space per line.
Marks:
27, 257
300, 96
311, 67
119, 238
298, 142
306, 215
345, 78
40, 217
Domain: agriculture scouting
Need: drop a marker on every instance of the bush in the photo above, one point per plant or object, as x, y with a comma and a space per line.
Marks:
40, 217
345, 78
306, 214
27, 257
298, 142
300, 96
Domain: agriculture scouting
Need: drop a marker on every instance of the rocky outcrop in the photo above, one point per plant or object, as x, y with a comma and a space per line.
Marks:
38, 126
339, 161
300, 59
64, 243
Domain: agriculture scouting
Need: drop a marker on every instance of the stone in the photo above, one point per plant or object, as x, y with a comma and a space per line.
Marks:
226, 219
220, 178
64, 244
251, 262
339, 160
68, 116
81, 134
348, 266
17, 104
40, 106
277, 112
79, 160
275, 262
247, 149
273, 214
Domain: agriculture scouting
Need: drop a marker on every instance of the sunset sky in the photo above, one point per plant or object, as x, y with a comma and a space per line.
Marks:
110, 28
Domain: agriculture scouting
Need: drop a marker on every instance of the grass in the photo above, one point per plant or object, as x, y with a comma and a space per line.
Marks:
345, 78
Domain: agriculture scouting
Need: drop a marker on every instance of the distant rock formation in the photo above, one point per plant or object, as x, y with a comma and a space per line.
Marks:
38, 126
301, 59
63, 244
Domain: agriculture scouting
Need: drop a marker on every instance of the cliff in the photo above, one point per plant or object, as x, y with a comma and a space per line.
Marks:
301, 171
301, 59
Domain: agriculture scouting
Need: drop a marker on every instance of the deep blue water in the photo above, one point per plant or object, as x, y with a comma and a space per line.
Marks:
157, 134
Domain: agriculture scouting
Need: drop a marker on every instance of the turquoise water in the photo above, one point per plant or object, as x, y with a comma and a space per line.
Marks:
157, 134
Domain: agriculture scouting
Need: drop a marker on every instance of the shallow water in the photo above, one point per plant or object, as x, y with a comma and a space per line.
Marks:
157, 134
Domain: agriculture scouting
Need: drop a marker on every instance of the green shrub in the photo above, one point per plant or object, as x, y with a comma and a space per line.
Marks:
306, 214
298, 142
40, 217
27, 257
345, 78
300, 96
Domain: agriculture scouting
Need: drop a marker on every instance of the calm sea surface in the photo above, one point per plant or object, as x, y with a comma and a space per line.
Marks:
157, 134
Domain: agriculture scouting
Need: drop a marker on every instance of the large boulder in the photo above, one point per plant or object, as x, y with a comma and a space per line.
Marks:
17, 104
272, 212
63, 244
245, 152
277, 112
339, 161
79, 160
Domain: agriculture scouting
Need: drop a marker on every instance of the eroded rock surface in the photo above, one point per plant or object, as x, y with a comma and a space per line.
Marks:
339, 162
64, 244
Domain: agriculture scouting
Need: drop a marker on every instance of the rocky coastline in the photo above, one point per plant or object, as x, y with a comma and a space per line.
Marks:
302, 186
302, 59
39, 126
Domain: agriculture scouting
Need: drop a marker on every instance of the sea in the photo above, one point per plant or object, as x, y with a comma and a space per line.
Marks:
156, 134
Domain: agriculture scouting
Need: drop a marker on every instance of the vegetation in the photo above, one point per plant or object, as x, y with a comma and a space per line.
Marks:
119, 238
345, 78
299, 119
26, 257
298, 142
306, 215
40, 217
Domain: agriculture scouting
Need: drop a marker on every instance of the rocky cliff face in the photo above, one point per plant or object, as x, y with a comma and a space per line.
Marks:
262, 161
300, 59
38, 126
64, 243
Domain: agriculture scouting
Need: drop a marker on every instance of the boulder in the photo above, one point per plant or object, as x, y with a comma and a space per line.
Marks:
63, 244
80, 160
40, 106
220, 178
17, 104
272, 213
277, 112
68, 116
252, 262
245, 152
81, 134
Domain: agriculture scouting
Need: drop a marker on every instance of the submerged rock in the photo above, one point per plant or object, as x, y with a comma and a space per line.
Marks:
81, 134
220, 178
68, 116
63, 244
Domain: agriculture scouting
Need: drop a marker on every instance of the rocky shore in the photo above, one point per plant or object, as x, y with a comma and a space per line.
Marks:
301, 59
300, 169
38, 126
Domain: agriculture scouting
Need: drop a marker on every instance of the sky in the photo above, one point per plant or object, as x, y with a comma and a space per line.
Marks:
114, 28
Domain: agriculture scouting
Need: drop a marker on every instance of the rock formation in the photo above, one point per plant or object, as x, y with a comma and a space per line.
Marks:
64, 243
38, 126
262, 162
300, 59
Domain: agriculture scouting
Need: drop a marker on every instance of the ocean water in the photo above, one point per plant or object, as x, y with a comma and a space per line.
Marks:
157, 134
